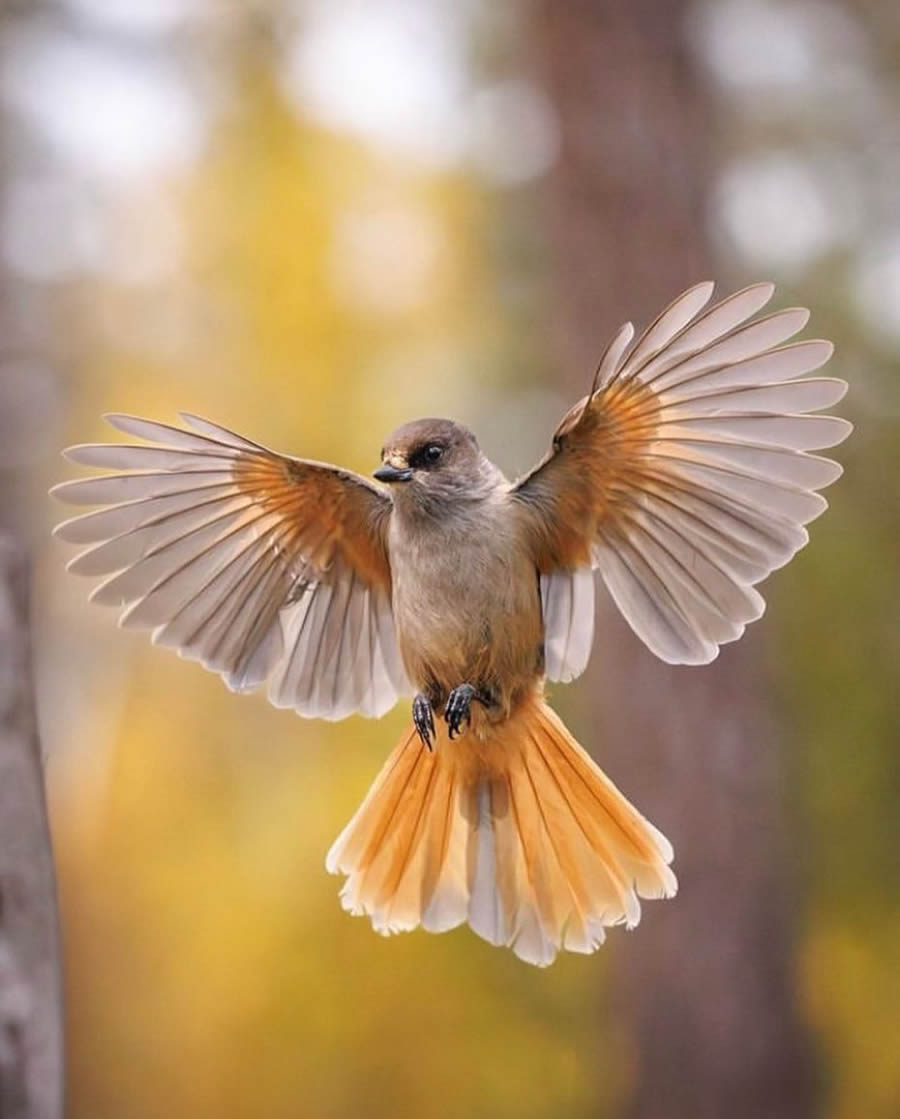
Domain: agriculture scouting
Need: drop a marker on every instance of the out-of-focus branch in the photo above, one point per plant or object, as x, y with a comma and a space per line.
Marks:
31, 1061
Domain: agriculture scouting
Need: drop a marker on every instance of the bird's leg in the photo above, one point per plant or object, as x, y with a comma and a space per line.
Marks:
423, 718
459, 707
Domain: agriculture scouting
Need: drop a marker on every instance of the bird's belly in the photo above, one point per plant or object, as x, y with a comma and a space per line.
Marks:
475, 619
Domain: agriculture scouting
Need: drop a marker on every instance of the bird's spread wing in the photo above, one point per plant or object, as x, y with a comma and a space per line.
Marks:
261, 566
683, 477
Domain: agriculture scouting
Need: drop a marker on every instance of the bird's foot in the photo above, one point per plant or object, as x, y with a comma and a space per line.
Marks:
459, 708
423, 719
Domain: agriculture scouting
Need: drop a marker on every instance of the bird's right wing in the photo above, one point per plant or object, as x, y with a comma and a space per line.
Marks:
261, 566
683, 477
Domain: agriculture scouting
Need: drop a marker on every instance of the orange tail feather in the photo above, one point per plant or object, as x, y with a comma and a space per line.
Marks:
514, 830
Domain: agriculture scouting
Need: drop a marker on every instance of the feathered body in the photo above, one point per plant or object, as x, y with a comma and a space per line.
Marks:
478, 621
683, 478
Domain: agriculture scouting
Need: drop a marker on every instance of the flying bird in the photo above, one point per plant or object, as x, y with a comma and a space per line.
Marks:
682, 479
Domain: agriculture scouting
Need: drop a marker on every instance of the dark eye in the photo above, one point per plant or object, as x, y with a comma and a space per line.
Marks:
433, 452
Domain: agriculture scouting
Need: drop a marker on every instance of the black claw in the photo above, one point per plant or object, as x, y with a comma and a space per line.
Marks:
459, 708
423, 718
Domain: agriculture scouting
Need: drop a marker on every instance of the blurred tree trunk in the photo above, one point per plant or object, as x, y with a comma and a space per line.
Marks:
704, 986
31, 1020
30, 984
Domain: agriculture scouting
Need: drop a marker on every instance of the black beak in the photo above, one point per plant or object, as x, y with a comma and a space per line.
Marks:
390, 474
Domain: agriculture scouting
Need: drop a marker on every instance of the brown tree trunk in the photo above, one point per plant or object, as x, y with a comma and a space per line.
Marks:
704, 985
31, 1019
30, 986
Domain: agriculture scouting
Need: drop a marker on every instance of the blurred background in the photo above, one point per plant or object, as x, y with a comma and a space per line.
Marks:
311, 221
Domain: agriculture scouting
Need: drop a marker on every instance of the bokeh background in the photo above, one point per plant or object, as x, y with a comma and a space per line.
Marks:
311, 221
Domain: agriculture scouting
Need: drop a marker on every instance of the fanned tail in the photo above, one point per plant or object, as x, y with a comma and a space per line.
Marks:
514, 830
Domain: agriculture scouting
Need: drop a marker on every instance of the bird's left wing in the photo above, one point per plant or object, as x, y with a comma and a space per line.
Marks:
261, 566
683, 477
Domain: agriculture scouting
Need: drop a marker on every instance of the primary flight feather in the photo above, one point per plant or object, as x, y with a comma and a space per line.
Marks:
683, 478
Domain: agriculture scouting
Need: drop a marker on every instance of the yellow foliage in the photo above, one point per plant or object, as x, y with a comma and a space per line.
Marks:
212, 972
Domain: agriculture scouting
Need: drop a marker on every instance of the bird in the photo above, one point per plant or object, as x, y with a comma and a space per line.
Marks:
680, 480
